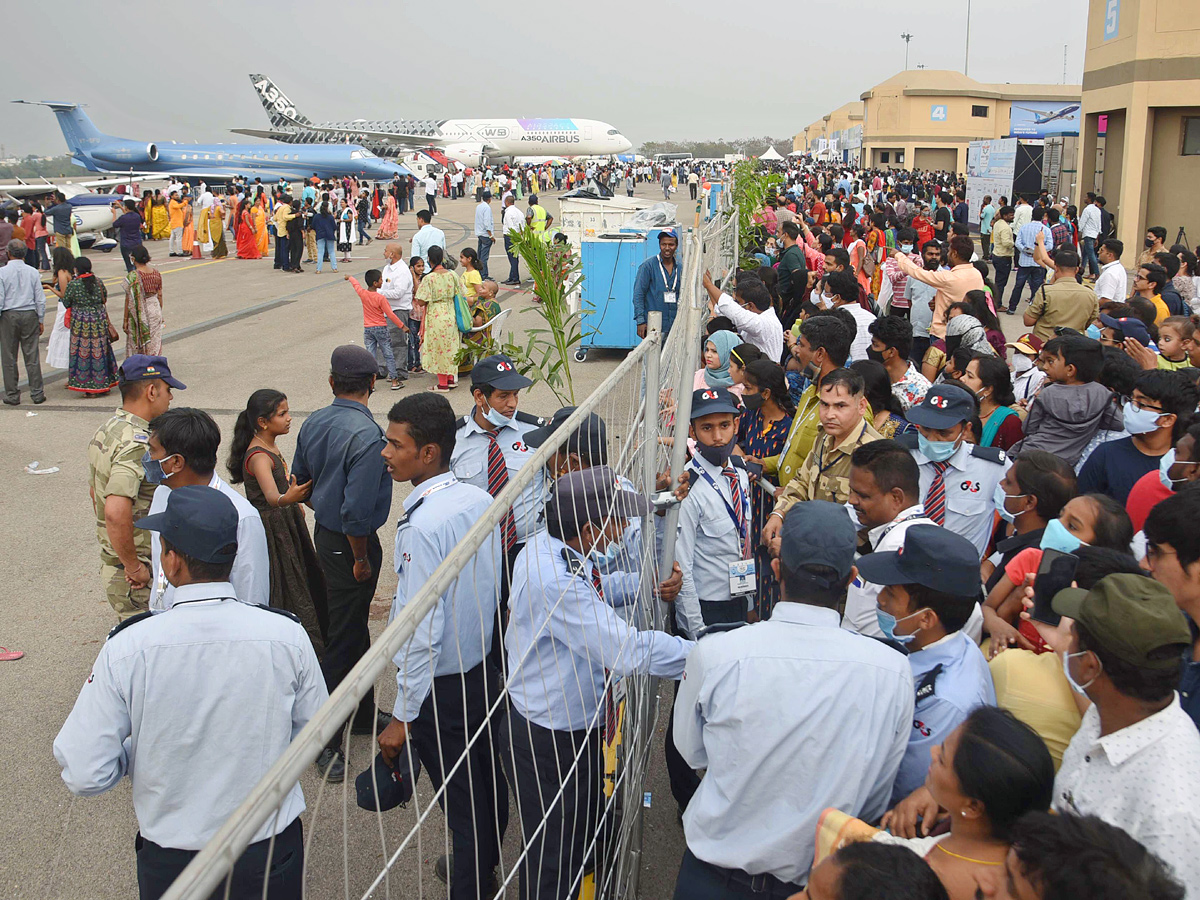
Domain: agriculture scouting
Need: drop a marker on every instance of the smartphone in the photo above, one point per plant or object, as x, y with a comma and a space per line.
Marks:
754, 468
1056, 572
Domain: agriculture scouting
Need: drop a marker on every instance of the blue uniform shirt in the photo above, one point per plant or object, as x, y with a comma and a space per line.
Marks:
469, 464
339, 449
944, 699
457, 633
648, 290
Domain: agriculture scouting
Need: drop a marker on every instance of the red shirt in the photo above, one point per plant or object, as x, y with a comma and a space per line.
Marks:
1145, 494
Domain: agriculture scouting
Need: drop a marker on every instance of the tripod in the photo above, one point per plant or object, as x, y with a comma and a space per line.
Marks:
1181, 238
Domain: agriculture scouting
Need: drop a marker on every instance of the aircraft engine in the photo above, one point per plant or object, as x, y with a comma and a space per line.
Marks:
467, 154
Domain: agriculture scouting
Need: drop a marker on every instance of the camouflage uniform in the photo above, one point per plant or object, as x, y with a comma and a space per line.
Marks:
825, 474
115, 468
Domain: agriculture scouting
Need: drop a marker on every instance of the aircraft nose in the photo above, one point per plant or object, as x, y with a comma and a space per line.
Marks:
624, 144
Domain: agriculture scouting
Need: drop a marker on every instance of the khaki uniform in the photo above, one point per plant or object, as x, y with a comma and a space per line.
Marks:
825, 474
115, 468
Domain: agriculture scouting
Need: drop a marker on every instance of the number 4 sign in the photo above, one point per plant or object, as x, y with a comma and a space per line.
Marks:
937, 112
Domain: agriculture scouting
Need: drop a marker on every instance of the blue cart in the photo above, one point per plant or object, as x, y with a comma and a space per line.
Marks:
610, 267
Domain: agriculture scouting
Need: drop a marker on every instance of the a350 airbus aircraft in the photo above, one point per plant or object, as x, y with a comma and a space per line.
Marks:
98, 152
469, 141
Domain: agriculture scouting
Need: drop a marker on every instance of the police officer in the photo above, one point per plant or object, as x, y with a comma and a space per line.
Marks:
490, 448
563, 641
119, 489
958, 479
194, 724
443, 687
931, 586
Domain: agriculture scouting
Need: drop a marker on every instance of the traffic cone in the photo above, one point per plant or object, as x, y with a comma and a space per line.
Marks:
196, 248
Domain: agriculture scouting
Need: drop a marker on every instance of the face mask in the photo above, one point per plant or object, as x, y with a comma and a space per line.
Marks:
906, 248
874, 354
608, 557
497, 418
153, 468
1056, 537
1093, 331
1021, 363
825, 302
1164, 469
1140, 421
753, 401
1000, 498
888, 623
938, 451
1149, 242
718, 455
1075, 686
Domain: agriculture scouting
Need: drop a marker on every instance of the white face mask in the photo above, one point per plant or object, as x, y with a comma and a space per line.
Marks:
1021, 363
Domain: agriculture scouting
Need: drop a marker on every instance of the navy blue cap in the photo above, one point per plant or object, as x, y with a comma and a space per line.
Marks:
590, 438
592, 495
1129, 326
818, 533
199, 521
386, 785
352, 361
141, 367
932, 556
706, 401
500, 372
668, 233
944, 406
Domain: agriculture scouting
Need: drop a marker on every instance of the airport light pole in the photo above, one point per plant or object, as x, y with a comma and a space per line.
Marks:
967, 55
907, 38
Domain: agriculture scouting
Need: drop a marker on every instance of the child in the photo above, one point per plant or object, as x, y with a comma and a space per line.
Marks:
375, 333
1027, 376
714, 521
1175, 339
1071, 407
416, 265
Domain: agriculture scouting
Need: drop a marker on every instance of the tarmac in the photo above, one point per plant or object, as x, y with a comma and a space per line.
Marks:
231, 327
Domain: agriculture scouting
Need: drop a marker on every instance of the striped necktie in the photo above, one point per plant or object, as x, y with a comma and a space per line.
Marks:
497, 481
935, 500
737, 501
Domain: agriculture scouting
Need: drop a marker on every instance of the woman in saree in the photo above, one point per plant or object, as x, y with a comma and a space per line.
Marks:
92, 368
260, 224
216, 230
143, 306
160, 221
247, 238
390, 221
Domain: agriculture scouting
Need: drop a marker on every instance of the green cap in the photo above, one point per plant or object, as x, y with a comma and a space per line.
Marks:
1133, 617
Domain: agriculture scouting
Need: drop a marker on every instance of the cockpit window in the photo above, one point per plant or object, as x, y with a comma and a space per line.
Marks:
362, 154
613, 131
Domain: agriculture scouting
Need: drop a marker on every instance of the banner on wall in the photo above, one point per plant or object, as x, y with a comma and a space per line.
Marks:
991, 166
1037, 119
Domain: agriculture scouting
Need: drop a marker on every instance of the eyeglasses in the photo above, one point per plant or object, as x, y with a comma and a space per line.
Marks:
1138, 405
1155, 551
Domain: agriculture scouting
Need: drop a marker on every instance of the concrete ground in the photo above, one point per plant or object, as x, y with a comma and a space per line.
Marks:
232, 326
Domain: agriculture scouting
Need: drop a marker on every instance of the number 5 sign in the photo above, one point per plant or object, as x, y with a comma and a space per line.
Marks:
1112, 18
937, 112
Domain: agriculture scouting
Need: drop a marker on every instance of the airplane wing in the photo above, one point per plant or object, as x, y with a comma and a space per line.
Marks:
412, 141
37, 188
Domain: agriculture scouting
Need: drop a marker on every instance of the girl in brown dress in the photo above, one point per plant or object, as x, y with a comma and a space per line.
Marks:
297, 583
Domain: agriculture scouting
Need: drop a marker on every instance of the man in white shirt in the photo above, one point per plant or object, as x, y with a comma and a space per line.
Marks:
1134, 759
843, 287
183, 451
485, 228
751, 313
1022, 214
397, 287
744, 712
512, 221
427, 236
1112, 284
1089, 231
431, 186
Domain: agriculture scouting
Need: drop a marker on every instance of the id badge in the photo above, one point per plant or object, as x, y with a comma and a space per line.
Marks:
743, 578
669, 297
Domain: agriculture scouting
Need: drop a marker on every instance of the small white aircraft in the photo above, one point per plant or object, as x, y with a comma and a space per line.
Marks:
92, 211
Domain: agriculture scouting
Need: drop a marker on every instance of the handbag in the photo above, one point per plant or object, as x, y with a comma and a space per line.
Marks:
462, 309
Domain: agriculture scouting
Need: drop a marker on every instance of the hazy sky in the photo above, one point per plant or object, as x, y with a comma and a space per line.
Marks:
655, 71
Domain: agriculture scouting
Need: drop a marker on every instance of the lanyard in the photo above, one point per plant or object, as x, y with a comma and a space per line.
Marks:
908, 518
441, 485
674, 273
742, 534
821, 470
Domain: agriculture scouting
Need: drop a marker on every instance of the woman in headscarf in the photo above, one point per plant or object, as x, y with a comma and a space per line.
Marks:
967, 331
715, 373
390, 221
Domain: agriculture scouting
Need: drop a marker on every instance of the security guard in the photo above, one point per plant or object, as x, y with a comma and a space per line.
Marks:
196, 724
958, 480
443, 687
930, 588
564, 641
119, 489
538, 219
490, 448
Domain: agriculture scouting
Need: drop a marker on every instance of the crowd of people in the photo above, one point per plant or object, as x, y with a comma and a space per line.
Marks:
931, 624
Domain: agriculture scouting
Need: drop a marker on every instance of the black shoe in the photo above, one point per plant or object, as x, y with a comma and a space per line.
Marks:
8, 402
441, 868
332, 766
382, 720
37, 401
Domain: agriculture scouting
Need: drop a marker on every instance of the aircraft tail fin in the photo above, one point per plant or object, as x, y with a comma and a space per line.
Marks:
279, 108
80, 134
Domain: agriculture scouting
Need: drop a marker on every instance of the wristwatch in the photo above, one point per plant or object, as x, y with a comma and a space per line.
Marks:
360, 559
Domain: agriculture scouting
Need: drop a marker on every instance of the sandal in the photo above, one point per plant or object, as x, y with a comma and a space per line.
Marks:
440, 389
7, 655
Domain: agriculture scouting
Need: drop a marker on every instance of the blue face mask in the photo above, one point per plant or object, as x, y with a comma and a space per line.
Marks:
906, 248
1140, 421
888, 623
1056, 537
1164, 469
938, 451
1000, 498
153, 469
497, 418
609, 557
1093, 331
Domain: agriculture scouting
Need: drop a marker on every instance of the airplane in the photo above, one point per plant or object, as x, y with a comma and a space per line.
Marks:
92, 212
1044, 116
99, 152
469, 141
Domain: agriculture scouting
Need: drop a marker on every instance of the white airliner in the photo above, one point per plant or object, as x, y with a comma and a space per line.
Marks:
469, 141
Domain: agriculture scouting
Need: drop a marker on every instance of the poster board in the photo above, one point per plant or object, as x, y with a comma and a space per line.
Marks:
991, 165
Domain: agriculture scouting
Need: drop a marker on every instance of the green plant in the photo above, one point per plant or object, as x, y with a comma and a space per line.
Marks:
546, 354
751, 188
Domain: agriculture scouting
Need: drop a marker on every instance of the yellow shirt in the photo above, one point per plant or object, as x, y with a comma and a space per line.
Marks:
1033, 688
175, 213
469, 281
1160, 305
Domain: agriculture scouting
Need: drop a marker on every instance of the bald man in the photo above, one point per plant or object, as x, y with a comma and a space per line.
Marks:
398, 288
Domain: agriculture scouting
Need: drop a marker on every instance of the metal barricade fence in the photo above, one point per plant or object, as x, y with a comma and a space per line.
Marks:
354, 852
